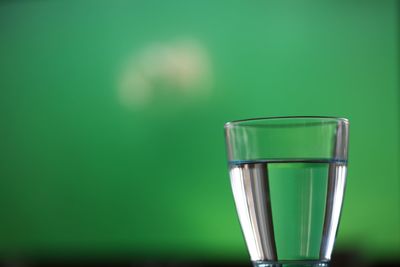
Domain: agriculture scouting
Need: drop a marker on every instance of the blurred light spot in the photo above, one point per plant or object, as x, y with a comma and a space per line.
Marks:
181, 67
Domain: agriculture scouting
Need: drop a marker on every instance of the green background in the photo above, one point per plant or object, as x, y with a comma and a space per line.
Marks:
83, 173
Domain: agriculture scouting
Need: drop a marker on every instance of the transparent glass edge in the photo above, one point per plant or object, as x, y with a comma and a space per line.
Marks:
233, 123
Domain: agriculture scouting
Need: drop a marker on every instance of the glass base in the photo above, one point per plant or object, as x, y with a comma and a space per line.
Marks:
290, 264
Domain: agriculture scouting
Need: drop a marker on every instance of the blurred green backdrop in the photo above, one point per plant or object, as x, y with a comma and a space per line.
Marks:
112, 118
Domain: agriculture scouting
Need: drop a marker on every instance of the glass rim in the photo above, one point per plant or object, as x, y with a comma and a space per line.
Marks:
239, 122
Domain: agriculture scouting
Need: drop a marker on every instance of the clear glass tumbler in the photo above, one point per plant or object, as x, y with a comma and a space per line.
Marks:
288, 177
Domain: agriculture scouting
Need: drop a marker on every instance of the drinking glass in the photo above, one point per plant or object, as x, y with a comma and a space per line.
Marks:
288, 177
